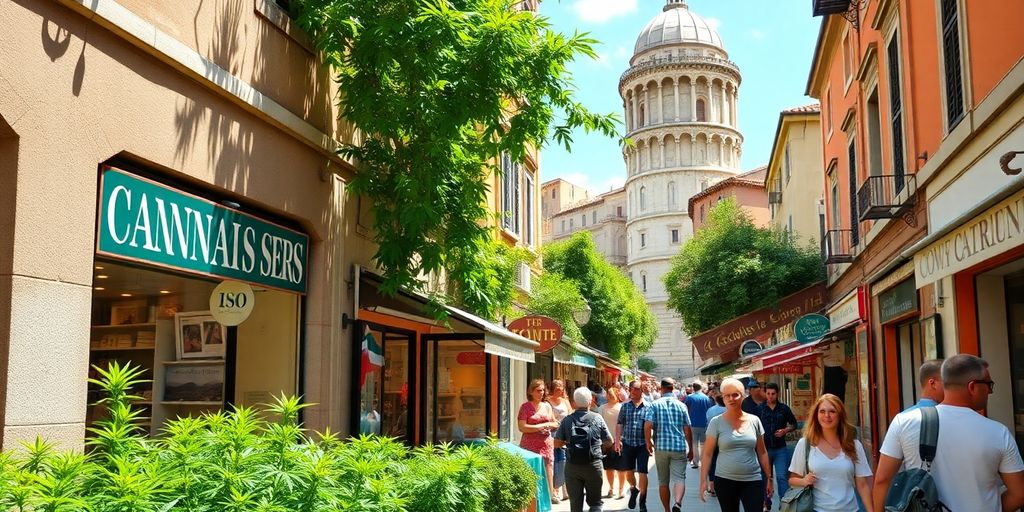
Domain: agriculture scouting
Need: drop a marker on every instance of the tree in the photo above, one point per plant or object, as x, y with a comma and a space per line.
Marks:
620, 321
647, 364
732, 267
440, 89
496, 289
557, 297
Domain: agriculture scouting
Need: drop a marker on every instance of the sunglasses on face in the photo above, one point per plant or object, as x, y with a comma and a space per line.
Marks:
991, 384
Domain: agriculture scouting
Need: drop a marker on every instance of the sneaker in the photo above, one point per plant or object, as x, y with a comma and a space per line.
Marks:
555, 500
633, 493
677, 507
643, 507
695, 465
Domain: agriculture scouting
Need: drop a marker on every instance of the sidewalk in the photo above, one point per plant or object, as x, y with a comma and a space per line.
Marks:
691, 501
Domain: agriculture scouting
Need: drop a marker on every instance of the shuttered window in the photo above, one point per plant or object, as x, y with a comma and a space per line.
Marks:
896, 111
854, 221
951, 56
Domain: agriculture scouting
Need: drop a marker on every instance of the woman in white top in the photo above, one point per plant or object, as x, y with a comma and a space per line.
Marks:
561, 407
612, 460
837, 467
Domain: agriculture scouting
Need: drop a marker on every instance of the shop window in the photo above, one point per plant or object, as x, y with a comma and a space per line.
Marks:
384, 382
160, 321
458, 408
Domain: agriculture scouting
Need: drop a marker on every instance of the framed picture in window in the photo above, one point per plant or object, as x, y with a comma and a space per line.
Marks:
198, 335
194, 382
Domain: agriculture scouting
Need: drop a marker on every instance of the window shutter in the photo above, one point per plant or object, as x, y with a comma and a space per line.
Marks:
854, 221
951, 51
896, 108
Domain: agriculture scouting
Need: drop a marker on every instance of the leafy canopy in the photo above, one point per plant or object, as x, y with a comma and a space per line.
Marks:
620, 321
732, 267
558, 297
440, 89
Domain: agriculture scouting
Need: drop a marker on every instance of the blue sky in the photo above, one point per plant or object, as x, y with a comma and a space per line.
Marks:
772, 41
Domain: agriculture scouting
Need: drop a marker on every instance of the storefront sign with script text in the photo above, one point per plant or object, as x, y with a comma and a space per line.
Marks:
541, 329
145, 221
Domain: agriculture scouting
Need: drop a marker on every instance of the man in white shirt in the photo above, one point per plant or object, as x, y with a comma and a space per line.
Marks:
975, 455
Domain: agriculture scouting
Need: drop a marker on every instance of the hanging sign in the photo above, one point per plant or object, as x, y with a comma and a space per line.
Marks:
231, 302
541, 329
811, 327
145, 221
750, 347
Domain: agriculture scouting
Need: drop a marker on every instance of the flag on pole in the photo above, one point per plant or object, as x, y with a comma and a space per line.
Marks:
373, 356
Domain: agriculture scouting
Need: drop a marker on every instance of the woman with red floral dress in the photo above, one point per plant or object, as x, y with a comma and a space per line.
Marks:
536, 422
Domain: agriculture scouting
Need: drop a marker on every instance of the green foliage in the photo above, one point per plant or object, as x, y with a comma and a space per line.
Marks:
557, 297
731, 267
440, 89
495, 292
646, 364
240, 461
620, 321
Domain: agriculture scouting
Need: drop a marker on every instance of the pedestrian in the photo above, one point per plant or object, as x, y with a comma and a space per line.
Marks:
778, 420
742, 457
755, 397
537, 422
698, 404
612, 460
976, 456
836, 466
669, 438
562, 407
930, 378
585, 437
630, 443
714, 411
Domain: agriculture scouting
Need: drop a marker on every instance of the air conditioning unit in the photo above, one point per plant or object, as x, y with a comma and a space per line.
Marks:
523, 277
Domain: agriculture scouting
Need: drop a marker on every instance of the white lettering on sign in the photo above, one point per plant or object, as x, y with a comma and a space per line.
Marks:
993, 232
845, 312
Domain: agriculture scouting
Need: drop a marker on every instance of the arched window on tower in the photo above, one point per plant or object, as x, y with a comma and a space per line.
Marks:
701, 111
643, 199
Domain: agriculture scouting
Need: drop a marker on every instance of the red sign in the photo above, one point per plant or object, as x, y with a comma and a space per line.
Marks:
538, 328
471, 358
730, 335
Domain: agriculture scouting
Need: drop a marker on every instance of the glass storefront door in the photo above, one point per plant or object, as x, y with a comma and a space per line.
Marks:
384, 392
910, 354
1015, 330
457, 399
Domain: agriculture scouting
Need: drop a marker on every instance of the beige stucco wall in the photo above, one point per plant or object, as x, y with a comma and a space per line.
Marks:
805, 188
78, 92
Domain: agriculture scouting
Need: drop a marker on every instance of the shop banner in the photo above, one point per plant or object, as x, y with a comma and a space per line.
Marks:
144, 221
898, 301
730, 335
812, 327
541, 329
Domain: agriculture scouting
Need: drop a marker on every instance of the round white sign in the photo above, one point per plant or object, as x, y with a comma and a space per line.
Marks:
231, 302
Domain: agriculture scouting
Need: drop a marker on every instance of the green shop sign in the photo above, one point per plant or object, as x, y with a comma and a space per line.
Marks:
811, 328
141, 220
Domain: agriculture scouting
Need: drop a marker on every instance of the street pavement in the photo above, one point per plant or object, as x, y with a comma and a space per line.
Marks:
691, 501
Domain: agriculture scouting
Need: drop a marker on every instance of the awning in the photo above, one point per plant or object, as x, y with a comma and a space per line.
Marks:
610, 366
790, 355
498, 340
579, 358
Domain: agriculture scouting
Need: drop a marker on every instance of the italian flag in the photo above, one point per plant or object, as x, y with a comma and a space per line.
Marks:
373, 356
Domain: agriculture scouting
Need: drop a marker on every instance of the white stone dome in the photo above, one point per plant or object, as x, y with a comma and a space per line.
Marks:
677, 25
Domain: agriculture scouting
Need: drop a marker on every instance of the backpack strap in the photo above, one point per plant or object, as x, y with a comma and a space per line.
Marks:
929, 435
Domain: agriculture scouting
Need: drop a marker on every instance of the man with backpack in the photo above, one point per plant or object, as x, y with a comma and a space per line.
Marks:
971, 455
585, 437
667, 429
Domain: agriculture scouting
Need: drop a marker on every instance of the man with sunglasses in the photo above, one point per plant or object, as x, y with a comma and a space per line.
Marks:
975, 455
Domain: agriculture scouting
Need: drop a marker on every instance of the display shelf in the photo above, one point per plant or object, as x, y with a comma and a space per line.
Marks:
452, 417
117, 349
124, 326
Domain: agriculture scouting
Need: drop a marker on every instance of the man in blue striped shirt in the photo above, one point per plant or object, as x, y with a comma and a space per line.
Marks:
668, 424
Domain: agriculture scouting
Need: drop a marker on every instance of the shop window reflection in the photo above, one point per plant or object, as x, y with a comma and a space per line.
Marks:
460, 404
384, 393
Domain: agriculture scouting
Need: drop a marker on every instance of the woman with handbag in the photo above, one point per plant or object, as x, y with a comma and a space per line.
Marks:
829, 467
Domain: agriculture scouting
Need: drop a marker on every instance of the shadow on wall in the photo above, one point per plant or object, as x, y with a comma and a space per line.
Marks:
8, 195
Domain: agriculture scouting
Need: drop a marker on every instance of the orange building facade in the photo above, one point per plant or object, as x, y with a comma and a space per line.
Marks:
748, 191
921, 128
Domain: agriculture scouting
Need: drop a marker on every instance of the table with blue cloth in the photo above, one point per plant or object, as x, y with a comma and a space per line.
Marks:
536, 463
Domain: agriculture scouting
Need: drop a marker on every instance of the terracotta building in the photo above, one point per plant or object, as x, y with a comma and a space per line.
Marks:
921, 106
748, 191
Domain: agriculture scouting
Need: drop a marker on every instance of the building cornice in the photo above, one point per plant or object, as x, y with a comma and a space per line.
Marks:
677, 128
687, 63
829, 36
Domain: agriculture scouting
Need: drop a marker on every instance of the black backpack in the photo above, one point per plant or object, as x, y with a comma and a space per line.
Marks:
580, 447
913, 490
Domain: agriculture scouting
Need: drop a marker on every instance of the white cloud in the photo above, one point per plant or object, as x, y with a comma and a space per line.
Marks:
600, 11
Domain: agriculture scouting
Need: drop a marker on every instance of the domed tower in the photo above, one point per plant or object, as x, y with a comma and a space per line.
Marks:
679, 95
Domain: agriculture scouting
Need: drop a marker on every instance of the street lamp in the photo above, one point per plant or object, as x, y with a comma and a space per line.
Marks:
582, 315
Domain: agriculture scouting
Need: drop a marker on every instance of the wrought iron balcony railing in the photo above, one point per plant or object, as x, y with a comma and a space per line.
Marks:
887, 197
838, 246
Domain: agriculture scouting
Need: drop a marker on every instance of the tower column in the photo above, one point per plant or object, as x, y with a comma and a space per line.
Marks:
675, 84
661, 106
647, 107
661, 146
636, 107
693, 100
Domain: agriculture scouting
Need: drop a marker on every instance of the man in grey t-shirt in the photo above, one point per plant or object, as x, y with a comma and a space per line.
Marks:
585, 437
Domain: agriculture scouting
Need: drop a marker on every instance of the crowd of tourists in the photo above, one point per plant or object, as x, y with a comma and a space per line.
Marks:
940, 452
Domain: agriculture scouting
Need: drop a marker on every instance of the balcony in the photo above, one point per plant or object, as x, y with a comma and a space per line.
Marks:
774, 197
838, 246
887, 197
826, 7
